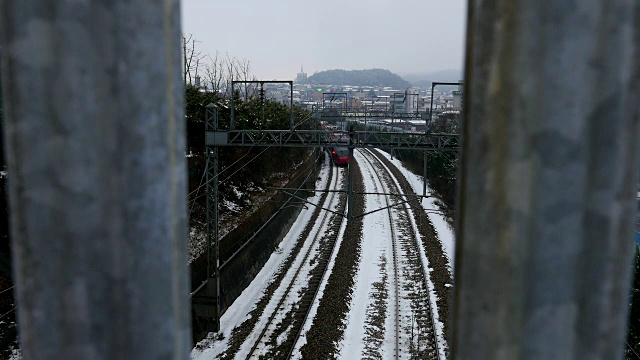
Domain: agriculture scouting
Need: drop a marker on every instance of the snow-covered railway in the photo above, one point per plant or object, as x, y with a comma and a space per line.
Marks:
279, 327
375, 300
397, 316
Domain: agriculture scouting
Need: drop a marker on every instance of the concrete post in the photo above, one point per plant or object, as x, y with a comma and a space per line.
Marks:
95, 131
549, 175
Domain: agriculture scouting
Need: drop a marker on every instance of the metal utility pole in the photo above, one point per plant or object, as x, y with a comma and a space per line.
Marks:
427, 130
430, 118
549, 176
94, 121
350, 175
206, 298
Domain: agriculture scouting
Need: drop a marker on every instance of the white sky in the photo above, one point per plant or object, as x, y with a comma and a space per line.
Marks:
277, 36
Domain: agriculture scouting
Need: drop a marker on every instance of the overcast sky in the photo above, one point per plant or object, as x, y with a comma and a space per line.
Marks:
277, 36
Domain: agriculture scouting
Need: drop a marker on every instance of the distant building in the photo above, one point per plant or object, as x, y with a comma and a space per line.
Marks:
411, 104
458, 97
397, 102
406, 101
302, 76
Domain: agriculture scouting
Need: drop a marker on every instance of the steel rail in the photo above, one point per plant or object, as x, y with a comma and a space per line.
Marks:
315, 294
295, 275
394, 239
257, 231
356, 192
406, 207
425, 272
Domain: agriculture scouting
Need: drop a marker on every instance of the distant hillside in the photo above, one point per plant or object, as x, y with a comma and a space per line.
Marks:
423, 80
370, 77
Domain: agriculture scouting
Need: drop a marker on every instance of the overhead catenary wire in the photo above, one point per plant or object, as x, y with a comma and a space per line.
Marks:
632, 349
201, 184
220, 172
196, 191
245, 165
223, 170
307, 118
7, 313
223, 181
7, 289
235, 172
253, 231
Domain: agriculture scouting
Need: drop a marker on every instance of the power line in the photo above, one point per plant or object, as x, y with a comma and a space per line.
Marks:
253, 232
223, 170
235, 172
7, 313
632, 349
196, 191
245, 165
7, 289
201, 184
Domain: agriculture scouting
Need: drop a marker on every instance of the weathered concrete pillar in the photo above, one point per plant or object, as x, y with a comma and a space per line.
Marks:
95, 129
548, 190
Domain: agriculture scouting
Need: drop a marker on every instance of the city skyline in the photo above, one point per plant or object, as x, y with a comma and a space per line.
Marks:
278, 38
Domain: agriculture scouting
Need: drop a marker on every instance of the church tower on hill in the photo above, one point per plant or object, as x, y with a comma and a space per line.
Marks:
302, 76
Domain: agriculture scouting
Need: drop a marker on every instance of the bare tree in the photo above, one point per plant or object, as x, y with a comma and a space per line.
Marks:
232, 75
243, 69
214, 72
218, 71
191, 58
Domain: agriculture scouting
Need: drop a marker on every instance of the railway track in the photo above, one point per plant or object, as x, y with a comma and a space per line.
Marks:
413, 320
289, 309
402, 322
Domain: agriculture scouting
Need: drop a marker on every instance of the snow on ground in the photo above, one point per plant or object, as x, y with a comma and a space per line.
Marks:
433, 298
242, 306
293, 296
16, 355
314, 307
442, 227
374, 247
445, 234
